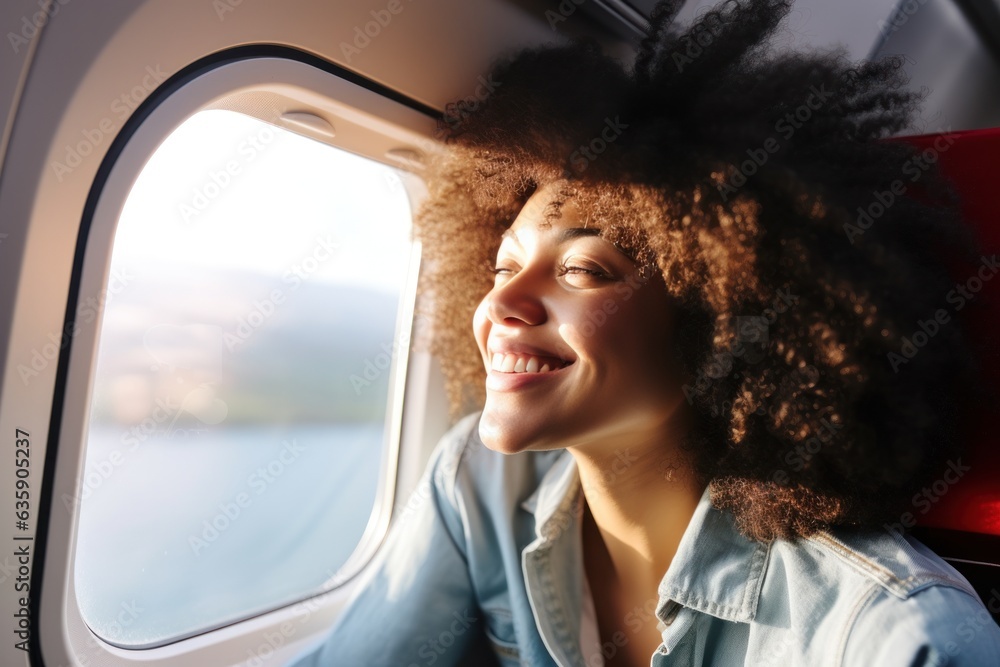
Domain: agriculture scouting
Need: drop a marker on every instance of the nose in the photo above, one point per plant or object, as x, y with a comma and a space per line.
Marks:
516, 301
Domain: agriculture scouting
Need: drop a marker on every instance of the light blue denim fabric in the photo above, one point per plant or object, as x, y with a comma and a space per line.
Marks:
484, 566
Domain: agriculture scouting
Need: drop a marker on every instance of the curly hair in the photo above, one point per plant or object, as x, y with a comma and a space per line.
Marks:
747, 174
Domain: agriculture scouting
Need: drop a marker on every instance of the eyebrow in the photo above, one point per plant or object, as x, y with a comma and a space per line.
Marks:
565, 235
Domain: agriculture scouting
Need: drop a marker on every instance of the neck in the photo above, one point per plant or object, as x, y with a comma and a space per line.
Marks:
640, 498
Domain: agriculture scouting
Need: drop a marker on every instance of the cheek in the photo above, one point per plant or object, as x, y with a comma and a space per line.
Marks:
585, 327
606, 340
481, 325
640, 332
654, 342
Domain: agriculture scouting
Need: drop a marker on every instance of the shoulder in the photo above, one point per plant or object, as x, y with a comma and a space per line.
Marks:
898, 563
935, 625
883, 598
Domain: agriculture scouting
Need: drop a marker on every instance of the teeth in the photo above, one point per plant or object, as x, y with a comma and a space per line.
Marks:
513, 363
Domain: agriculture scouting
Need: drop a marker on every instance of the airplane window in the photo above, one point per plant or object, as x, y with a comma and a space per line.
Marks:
236, 432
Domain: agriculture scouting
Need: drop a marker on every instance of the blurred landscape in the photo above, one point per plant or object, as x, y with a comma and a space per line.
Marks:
165, 340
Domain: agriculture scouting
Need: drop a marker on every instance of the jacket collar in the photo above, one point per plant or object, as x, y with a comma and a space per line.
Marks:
553, 562
716, 570
559, 487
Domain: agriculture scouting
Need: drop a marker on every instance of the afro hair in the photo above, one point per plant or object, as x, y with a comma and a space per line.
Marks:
740, 170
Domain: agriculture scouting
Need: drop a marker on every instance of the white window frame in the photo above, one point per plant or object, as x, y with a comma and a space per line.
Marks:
364, 122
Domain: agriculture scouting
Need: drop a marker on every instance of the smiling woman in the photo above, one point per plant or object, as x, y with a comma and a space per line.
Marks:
654, 335
607, 381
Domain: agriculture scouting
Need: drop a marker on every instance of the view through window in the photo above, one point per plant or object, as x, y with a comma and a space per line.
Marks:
236, 431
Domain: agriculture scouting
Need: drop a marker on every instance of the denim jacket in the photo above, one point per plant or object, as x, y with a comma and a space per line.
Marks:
485, 567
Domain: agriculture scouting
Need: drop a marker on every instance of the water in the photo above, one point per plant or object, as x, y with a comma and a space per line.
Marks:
180, 534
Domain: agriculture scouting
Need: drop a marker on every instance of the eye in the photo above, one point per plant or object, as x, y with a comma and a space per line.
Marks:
580, 269
584, 270
505, 269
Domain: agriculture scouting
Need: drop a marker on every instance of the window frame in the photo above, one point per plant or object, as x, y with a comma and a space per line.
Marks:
370, 121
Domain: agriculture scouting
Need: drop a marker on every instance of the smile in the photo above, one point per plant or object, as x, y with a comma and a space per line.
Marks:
526, 363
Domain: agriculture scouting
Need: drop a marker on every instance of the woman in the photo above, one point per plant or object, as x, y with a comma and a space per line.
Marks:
695, 431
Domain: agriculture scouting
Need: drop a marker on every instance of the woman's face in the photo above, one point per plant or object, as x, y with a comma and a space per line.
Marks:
576, 341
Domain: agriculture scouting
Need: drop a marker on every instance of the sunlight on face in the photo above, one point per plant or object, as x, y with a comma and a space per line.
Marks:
576, 340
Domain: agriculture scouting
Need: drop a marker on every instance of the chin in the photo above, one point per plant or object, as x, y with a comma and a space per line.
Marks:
498, 438
498, 434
